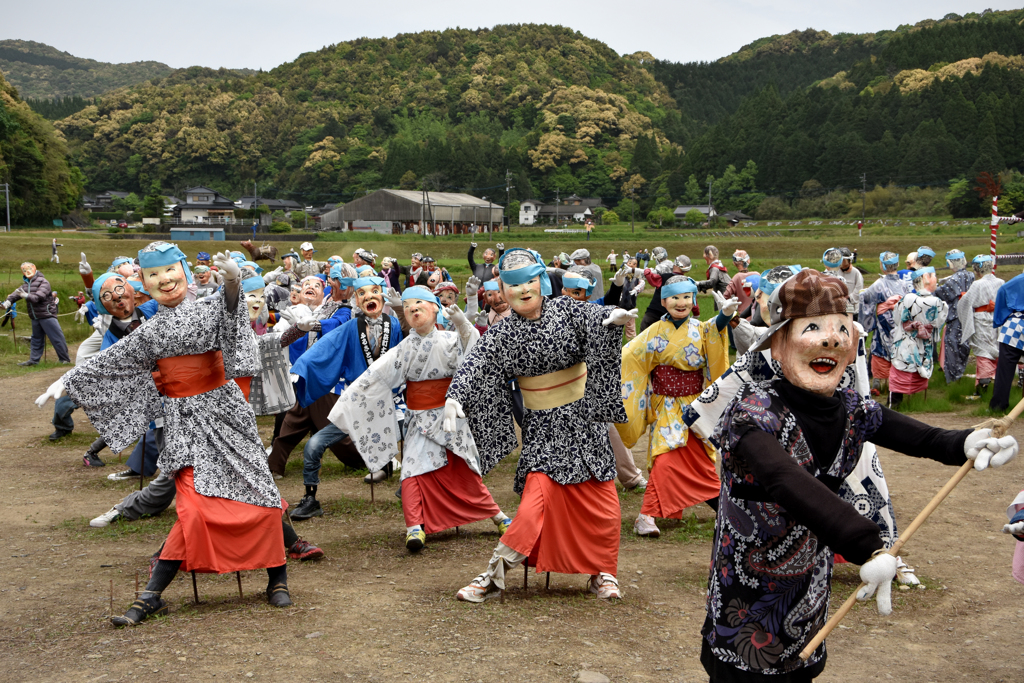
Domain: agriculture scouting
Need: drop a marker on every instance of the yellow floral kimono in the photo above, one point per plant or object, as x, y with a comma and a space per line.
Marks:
695, 345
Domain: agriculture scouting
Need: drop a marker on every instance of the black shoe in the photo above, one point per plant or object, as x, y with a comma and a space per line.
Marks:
90, 459
278, 596
123, 475
140, 609
307, 507
59, 434
28, 363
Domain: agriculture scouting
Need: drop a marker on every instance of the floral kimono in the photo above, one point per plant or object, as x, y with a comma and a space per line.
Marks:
955, 349
919, 320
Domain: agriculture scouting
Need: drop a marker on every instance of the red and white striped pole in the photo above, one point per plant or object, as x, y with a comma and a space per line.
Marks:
994, 225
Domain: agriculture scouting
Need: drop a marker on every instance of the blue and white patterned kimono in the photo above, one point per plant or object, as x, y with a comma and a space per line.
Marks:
882, 289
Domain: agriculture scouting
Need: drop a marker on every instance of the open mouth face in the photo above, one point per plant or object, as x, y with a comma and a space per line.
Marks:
816, 351
434, 280
167, 284
420, 314
312, 291
525, 299
294, 297
679, 306
118, 297
496, 301
371, 300
254, 300
448, 297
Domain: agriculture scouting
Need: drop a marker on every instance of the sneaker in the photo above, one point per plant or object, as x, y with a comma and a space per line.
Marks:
415, 540
140, 609
28, 363
278, 596
304, 550
605, 586
123, 475
645, 526
481, 588
58, 434
90, 459
307, 507
278, 477
503, 526
106, 519
640, 485
905, 575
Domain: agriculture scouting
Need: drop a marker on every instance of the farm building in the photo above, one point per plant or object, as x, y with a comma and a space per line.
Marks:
408, 211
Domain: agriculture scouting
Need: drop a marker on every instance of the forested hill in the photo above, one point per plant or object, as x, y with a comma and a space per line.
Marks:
42, 72
451, 109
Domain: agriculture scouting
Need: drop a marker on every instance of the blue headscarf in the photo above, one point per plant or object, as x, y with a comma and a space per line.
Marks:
981, 258
361, 282
894, 260
687, 286
926, 251
755, 281
921, 272
954, 254
98, 285
251, 284
255, 266
832, 264
523, 275
338, 273
422, 293
118, 262
491, 286
164, 255
572, 280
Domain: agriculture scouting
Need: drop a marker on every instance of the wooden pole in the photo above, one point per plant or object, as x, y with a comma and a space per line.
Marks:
238, 575
195, 589
111, 597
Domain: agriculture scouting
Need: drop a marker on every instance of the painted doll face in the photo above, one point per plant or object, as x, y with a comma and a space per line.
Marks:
578, 293
525, 299
289, 262
926, 283
167, 284
28, 269
255, 300
371, 299
118, 297
204, 277
762, 300
448, 297
814, 352
307, 254
496, 301
312, 291
679, 306
295, 296
420, 314
489, 256
125, 269
434, 279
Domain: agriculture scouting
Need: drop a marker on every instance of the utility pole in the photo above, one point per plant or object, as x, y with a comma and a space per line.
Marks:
710, 210
508, 195
7, 203
863, 196
558, 200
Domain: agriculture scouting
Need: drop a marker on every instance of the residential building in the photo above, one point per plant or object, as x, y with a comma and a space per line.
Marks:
432, 213
203, 205
573, 208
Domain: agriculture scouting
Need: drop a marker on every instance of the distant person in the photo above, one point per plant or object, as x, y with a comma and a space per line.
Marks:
484, 271
718, 277
55, 257
581, 257
612, 258
38, 299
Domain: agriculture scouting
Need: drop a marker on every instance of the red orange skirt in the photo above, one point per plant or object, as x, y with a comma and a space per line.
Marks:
880, 367
903, 382
986, 368
571, 529
448, 497
218, 536
679, 479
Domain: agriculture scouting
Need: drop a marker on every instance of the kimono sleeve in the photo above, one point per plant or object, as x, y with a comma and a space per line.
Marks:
366, 411
234, 335
716, 349
604, 362
340, 317
115, 387
480, 385
639, 357
320, 368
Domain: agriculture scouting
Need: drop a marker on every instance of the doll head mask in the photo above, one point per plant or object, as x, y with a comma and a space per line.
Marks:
420, 308
255, 294
447, 293
370, 295
576, 284
678, 295
165, 273
115, 295
811, 335
524, 282
311, 291
28, 270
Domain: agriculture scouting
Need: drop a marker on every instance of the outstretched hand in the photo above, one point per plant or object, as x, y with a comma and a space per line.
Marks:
878, 573
80, 313
452, 410
730, 306
985, 450
83, 266
226, 265
394, 298
620, 317
55, 391
472, 286
620, 276
456, 315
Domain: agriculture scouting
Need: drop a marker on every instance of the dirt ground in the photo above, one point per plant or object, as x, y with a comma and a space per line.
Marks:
371, 611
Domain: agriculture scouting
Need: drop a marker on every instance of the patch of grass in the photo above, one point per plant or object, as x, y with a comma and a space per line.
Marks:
78, 528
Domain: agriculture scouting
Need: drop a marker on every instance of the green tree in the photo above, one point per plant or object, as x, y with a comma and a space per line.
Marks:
610, 218
408, 181
962, 201
694, 218
299, 220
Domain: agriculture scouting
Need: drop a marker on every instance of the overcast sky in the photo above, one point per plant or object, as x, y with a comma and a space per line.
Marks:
266, 33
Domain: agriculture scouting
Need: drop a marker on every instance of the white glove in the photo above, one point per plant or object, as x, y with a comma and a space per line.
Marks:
83, 266
293, 378
985, 450
620, 317
394, 298
473, 244
452, 410
1017, 528
226, 265
6, 304
20, 293
456, 315
472, 287
639, 288
620, 276
306, 323
719, 299
481, 319
80, 313
55, 391
878, 573
500, 246
730, 306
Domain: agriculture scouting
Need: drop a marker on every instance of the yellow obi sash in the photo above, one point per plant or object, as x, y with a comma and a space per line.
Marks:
554, 389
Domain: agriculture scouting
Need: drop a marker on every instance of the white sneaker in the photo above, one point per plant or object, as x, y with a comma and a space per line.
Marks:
481, 588
905, 574
106, 519
605, 586
123, 475
268, 450
645, 526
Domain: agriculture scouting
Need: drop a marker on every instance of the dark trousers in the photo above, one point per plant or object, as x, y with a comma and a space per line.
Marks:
41, 329
298, 422
145, 453
1005, 367
62, 409
650, 317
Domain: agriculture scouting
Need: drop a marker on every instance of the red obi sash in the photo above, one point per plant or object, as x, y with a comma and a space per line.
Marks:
427, 394
183, 376
990, 307
669, 381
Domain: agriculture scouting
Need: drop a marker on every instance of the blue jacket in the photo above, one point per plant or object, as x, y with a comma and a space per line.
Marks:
1009, 300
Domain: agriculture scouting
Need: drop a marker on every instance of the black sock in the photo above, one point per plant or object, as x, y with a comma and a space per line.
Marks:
289, 535
163, 574
712, 503
311, 490
277, 575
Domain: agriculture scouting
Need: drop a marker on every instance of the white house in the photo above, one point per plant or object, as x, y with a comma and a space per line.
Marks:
203, 205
